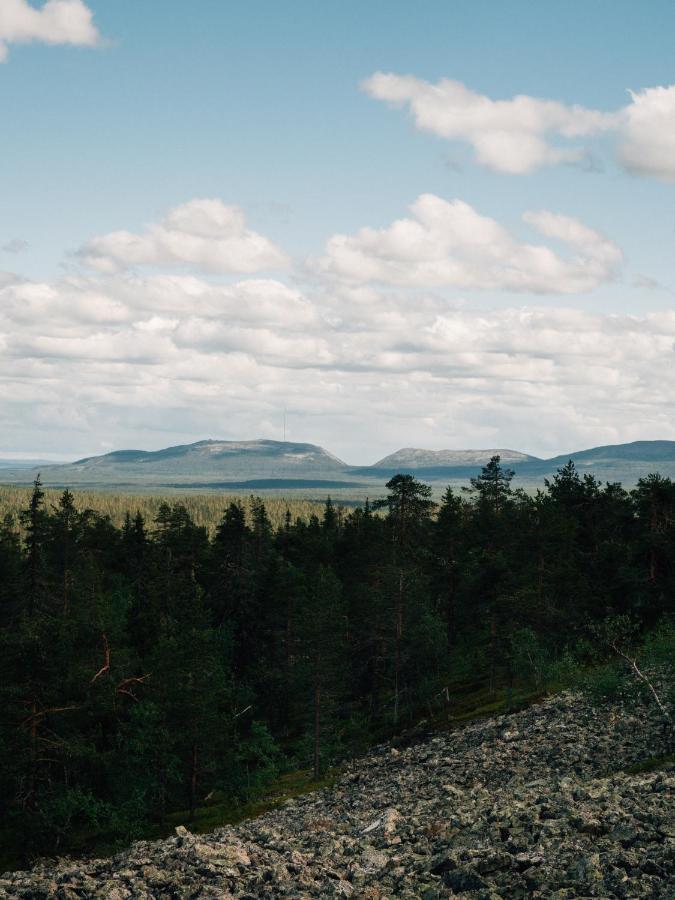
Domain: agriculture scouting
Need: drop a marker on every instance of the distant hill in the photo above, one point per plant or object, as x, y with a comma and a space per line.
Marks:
636, 451
414, 458
250, 458
24, 463
288, 467
619, 462
219, 460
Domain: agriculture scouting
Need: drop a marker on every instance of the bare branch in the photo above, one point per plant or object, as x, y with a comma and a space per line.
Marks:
106, 659
38, 715
124, 687
632, 662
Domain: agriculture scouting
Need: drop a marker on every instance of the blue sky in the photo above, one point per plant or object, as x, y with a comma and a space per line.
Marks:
259, 106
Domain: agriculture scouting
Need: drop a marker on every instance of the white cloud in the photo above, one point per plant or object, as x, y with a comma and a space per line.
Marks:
55, 22
648, 133
204, 233
449, 243
511, 136
525, 133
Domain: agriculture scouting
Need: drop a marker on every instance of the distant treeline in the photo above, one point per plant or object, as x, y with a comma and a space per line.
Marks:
205, 509
146, 663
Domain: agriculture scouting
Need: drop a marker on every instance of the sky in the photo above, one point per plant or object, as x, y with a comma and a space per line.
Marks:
441, 224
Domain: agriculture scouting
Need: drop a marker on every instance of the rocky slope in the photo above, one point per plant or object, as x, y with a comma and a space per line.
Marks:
535, 804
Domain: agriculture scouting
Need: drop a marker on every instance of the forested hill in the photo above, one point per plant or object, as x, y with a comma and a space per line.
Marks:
148, 668
307, 469
203, 460
626, 463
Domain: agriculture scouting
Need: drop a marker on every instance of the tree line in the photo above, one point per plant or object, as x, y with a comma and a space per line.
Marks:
144, 667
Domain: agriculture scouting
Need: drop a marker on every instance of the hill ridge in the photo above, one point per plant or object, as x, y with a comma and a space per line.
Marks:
213, 464
421, 456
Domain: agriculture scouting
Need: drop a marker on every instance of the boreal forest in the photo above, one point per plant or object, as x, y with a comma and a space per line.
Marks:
148, 668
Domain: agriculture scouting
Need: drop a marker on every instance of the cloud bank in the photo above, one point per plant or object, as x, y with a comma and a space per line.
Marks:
173, 356
55, 22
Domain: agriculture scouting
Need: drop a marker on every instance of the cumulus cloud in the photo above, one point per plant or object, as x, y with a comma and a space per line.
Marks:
525, 133
55, 22
449, 243
205, 233
513, 136
648, 133
358, 367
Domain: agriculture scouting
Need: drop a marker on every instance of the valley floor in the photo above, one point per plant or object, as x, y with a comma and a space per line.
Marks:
549, 802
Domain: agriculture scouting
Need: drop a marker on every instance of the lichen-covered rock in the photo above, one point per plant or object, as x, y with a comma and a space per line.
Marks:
535, 804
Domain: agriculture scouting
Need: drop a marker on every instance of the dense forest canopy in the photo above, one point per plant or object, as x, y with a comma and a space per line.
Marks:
204, 508
144, 667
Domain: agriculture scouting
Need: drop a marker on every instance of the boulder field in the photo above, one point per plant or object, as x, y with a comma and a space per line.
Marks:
539, 803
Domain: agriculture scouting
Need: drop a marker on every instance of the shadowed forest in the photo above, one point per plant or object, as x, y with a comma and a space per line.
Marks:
147, 667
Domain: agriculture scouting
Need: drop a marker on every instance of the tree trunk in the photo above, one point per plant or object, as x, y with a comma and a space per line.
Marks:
317, 729
493, 651
193, 781
399, 634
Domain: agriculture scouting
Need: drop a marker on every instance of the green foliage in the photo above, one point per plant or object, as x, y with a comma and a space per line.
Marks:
529, 658
659, 646
260, 760
607, 682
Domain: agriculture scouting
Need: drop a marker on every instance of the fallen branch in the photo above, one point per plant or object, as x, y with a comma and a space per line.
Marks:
632, 662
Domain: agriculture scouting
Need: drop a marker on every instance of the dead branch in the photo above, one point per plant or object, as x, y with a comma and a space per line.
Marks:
106, 659
632, 662
38, 715
124, 687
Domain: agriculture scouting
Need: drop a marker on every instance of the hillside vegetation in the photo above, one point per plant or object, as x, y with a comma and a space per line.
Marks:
154, 667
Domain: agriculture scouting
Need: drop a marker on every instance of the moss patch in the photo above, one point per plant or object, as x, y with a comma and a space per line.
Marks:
652, 764
218, 813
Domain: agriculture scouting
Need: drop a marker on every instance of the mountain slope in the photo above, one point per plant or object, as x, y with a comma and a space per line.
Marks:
521, 805
221, 460
283, 466
415, 458
620, 462
636, 451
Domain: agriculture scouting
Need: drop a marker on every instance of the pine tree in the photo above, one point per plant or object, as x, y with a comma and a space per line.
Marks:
33, 520
320, 676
